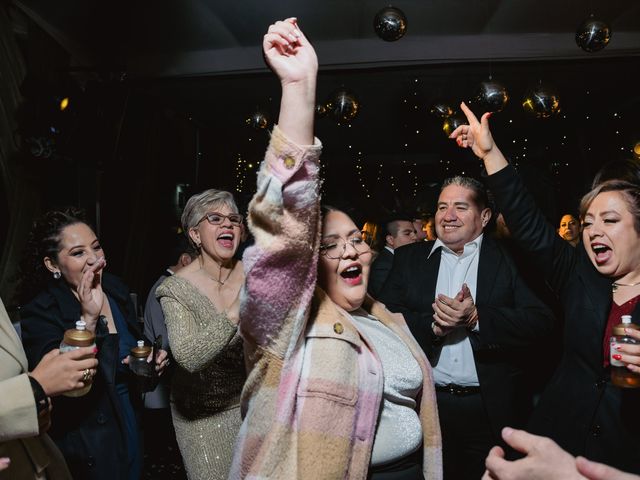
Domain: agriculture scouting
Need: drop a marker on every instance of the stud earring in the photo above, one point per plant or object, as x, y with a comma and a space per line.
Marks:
57, 275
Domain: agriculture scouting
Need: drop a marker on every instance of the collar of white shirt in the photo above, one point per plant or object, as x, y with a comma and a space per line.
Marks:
469, 248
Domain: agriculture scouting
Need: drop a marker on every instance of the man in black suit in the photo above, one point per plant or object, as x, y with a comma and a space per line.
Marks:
397, 232
471, 312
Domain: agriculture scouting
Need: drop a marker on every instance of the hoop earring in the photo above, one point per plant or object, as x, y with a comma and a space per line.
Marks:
57, 275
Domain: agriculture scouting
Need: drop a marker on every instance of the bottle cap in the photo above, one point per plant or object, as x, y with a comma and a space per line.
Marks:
618, 330
79, 336
140, 351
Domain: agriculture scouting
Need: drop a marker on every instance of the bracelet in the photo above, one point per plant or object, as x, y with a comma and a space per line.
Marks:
41, 398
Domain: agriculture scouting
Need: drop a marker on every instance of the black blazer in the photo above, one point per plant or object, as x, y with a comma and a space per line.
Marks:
380, 269
579, 409
89, 430
510, 317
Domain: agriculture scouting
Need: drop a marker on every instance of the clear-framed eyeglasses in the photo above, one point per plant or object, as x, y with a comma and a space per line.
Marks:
335, 248
215, 218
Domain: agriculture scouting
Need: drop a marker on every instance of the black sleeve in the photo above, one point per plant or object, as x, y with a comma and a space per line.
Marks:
530, 228
519, 319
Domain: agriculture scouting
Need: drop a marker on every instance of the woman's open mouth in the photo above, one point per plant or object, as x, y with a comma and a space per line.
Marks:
352, 274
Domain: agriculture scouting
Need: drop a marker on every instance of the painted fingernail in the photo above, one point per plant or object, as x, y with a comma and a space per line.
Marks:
618, 347
617, 356
95, 349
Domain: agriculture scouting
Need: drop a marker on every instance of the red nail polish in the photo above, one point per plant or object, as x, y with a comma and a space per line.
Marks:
95, 349
617, 356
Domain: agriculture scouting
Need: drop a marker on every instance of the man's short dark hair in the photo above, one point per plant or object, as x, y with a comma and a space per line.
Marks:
479, 192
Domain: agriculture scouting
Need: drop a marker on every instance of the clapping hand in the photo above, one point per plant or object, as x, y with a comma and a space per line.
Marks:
457, 312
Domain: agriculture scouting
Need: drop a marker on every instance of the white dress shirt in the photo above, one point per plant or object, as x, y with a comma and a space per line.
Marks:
456, 364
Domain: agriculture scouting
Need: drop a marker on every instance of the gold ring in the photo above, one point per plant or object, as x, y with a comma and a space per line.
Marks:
86, 375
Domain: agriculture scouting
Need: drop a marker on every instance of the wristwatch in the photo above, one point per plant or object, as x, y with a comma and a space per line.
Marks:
41, 398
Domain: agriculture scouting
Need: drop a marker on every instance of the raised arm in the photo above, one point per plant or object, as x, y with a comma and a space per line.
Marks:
281, 266
527, 224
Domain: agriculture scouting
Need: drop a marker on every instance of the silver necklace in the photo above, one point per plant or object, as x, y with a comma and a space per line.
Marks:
615, 285
221, 282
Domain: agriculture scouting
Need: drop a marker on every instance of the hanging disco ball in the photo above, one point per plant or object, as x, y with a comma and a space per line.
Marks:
541, 102
452, 122
492, 96
343, 106
441, 109
390, 24
593, 35
258, 120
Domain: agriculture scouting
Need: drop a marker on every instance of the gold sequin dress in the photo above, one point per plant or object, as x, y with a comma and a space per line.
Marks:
207, 379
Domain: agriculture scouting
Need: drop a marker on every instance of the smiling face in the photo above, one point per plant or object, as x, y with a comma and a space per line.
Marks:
79, 250
219, 242
344, 278
610, 236
459, 220
569, 228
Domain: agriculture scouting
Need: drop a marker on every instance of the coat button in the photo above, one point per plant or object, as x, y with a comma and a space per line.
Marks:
595, 430
101, 418
338, 328
600, 384
91, 461
289, 163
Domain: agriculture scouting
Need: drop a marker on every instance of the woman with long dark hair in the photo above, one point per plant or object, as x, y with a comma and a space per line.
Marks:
63, 281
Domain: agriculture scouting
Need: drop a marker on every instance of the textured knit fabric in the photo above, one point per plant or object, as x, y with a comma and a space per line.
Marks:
207, 381
313, 396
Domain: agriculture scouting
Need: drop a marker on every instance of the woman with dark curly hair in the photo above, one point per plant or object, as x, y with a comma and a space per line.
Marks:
63, 281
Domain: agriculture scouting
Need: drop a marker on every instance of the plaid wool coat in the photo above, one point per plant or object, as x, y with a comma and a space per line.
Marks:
313, 395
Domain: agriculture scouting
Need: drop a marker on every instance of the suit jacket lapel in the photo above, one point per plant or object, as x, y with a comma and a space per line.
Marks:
9, 339
488, 266
429, 274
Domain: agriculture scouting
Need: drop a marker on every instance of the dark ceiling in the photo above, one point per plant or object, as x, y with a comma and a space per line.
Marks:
201, 59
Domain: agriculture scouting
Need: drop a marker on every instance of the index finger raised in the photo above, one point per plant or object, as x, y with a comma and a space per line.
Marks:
471, 117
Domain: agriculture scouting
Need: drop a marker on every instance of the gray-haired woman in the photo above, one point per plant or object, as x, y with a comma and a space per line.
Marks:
201, 308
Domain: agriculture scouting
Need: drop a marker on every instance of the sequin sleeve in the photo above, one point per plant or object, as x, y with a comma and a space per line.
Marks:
194, 339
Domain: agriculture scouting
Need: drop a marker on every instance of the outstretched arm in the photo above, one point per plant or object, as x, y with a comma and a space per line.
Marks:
280, 268
292, 58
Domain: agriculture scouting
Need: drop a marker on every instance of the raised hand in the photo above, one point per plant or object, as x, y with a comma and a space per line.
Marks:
293, 59
90, 293
288, 52
477, 136
59, 373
